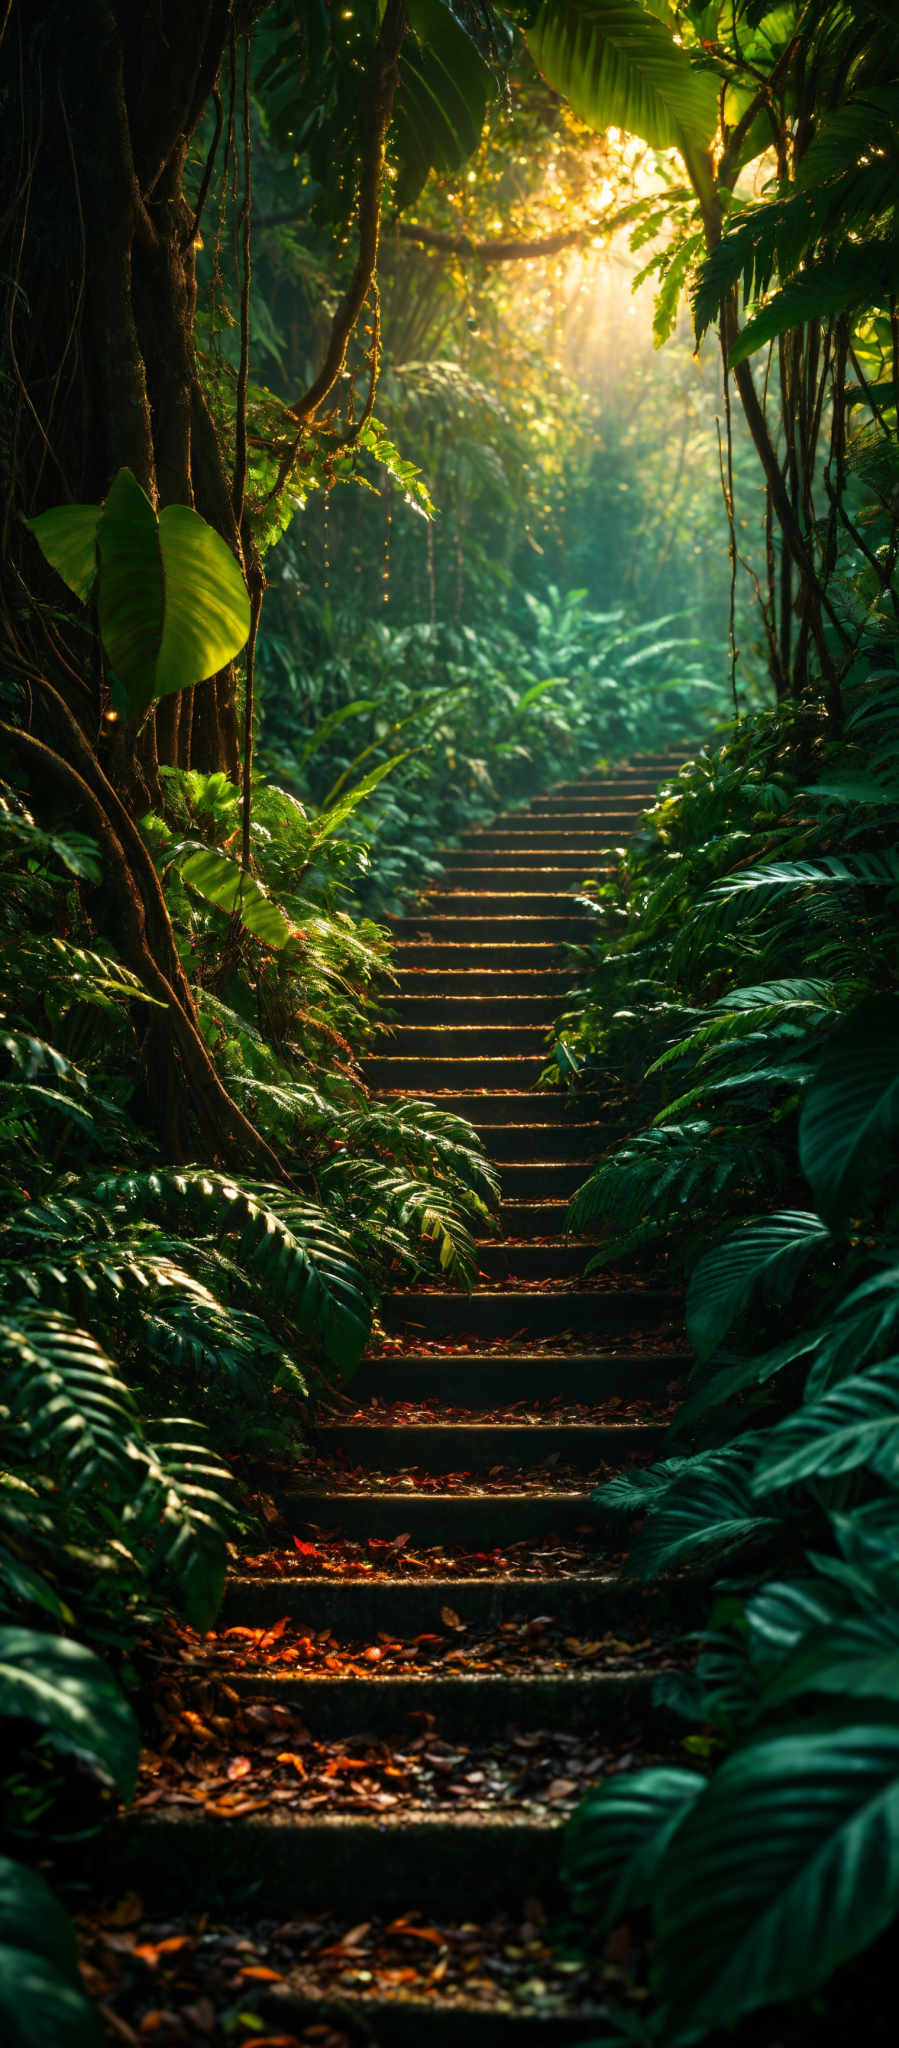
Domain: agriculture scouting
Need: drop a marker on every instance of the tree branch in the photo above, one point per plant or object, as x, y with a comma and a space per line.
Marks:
501, 249
381, 90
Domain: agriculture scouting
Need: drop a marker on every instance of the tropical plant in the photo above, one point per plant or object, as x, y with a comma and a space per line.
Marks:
765, 969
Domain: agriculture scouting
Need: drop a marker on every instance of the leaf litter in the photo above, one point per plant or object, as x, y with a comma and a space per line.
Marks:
318, 1980
538, 1646
216, 1753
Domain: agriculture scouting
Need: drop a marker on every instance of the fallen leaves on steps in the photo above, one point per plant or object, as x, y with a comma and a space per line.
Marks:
230, 1757
538, 1646
197, 1984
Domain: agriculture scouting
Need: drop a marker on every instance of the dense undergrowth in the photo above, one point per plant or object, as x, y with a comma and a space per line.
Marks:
742, 984
461, 720
162, 1322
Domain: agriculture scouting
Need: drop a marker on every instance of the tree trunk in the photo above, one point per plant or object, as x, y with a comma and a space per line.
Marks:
99, 265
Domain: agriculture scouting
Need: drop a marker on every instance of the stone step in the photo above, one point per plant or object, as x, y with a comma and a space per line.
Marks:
499, 1260
345, 1861
540, 866
599, 847
472, 1521
555, 1108
452, 1040
620, 791
537, 1179
449, 1009
591, 806
356, 1608
479, 956
481, 1379
421, 1076
480, 1447
544, 1141
535, 1219
346, 2017
532, 850
511, 902
487, 930
470, 1704
503, 1312
549, 983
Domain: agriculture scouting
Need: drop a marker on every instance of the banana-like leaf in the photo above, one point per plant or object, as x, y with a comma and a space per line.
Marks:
786, 1865
65, 1689
850, 1115
41, 1999
707, 1511
856, 1423
172, 604
67, 537
617, 1836
62, 1387
856, 1657
619, 66
171, 601
854, 276
226, 884
443, 90
764, 1258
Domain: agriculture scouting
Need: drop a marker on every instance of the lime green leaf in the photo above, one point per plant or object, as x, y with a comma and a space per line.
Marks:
70, 1692
67, 536
227, 885
172, 603
618, 66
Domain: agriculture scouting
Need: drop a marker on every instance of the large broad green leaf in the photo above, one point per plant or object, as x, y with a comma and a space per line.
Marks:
708, 1511
852, 277
856, 1423
69, 1692
616, 1838
764, 1258
855, 1657
330, 820
227, 885
619, 66
786, 1865
41, 2001
67, 535
850, 1115
32, 1919
171, 600
443, 90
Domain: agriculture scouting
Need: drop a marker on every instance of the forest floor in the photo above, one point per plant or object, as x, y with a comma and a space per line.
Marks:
352, 1797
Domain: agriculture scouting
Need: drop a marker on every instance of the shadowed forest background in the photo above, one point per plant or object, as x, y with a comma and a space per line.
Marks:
404, 410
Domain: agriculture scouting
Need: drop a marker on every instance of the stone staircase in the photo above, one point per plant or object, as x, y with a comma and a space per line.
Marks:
505, 1476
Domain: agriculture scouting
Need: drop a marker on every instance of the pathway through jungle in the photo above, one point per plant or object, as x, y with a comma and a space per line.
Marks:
349, 1825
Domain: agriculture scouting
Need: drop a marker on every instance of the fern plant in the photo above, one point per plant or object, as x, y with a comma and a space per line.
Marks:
767, 981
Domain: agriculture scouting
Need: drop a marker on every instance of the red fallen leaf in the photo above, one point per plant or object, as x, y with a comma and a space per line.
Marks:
421, 1933
261, 1974
286, 2040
